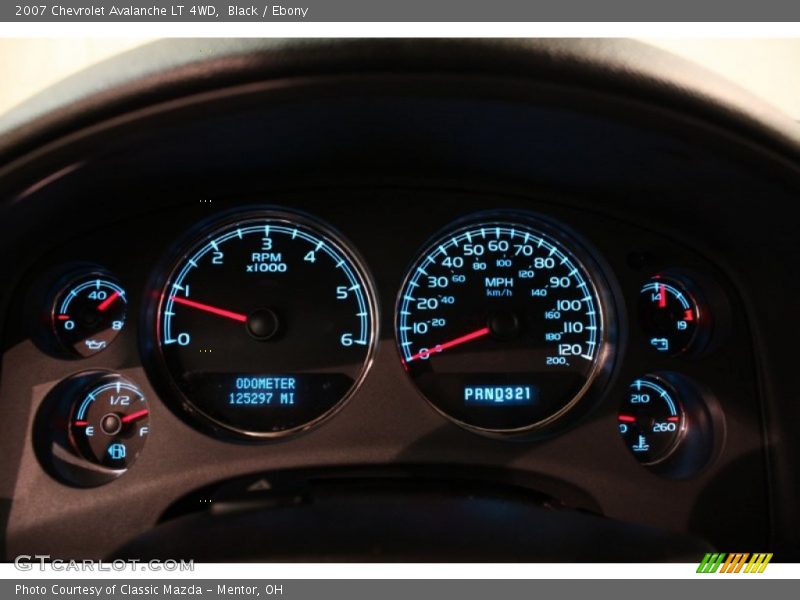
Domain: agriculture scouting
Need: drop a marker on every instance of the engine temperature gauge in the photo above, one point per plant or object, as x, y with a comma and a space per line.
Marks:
88, 313
651, 420
672, 425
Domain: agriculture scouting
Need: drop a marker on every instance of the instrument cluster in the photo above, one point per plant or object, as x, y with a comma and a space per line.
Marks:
260, 322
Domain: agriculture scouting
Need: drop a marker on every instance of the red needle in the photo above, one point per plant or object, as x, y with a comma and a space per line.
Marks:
627, 419
133, 416
456, 342
211, 309
107, 302
662, 297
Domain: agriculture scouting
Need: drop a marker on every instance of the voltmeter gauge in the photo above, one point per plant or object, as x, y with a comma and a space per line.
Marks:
672, 315
88, 313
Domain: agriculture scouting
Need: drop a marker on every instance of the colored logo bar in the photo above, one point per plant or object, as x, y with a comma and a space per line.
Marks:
720, 562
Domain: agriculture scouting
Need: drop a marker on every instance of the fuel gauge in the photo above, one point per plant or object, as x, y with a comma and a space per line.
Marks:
110, 422
91, 428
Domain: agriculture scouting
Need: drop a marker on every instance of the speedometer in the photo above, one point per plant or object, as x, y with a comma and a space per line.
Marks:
265, 324
505, 322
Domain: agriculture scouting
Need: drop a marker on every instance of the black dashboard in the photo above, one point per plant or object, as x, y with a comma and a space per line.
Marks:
399, 300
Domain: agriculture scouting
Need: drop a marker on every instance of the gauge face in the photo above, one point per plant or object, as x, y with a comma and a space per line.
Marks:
109, 422
89, 313
651, 420
501, 326
267, 324
670, 315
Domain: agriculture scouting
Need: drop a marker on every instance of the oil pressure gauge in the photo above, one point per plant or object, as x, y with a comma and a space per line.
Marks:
88, 312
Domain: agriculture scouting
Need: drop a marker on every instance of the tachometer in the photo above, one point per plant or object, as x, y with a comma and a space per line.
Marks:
504, 323
266, 324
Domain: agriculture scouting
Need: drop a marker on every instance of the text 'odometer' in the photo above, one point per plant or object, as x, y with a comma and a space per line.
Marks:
267, 323
501, 325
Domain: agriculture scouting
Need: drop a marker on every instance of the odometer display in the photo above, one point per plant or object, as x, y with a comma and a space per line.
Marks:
501, 325
266, 324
